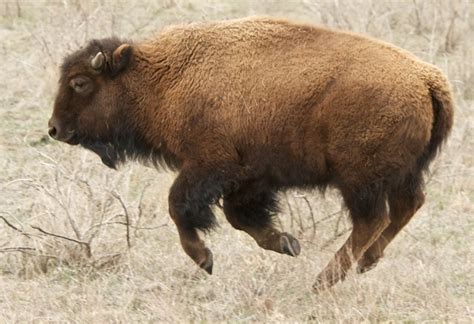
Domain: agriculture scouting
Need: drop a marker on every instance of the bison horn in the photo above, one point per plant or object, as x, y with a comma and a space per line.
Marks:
97, 61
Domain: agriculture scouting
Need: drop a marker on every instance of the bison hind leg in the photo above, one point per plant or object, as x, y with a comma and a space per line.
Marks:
404, 200
368, 212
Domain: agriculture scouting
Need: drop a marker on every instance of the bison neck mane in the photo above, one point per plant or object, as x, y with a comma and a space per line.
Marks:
126, 143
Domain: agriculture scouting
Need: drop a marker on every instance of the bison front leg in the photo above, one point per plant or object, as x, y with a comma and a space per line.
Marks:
251, 212
190, 198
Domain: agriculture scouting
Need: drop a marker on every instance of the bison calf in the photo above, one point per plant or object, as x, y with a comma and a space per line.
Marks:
246, 108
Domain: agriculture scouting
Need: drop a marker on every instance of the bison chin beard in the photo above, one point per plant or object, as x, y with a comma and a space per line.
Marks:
115, 147
126, 144
109, 155
112, 151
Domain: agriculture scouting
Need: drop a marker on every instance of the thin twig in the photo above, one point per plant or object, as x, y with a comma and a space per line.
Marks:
300, 219
85, 244
15, 181
17, 249
14, 227
311, 214
107, 203
328, 217
131, 226
63, 206
140, 206
449, 42
10, 225
127, 217
418, 19
336, 230
290, 210
331, 241
411, 235
106, 260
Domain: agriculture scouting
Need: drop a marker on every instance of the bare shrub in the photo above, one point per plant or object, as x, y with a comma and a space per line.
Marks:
64, 215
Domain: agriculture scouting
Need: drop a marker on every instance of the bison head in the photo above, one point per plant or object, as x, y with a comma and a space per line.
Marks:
89, 105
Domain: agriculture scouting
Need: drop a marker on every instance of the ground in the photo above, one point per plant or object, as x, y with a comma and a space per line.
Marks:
83, 243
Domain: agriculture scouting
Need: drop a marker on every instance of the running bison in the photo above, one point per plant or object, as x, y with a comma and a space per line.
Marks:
244, 109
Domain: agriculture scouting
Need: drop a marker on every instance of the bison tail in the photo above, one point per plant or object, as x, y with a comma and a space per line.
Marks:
443, 112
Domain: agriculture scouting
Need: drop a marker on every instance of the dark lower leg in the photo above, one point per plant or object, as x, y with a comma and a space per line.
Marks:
195, 248
269, 238
252, 215
189, 200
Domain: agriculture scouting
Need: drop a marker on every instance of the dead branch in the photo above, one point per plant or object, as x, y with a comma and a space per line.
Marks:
108, 202
336, 236
289, 209
10, 225
418, 18
299, 219
336, 230
411, 235
311, 214
127, 216
82, 243
18, 249
63, 206
106, 260
131, 226
140, 205
449, 42
14, 227
329, 217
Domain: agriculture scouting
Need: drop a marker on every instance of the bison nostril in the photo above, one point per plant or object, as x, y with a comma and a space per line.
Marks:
52, 132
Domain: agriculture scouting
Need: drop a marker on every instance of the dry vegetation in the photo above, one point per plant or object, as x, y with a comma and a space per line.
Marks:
82, 243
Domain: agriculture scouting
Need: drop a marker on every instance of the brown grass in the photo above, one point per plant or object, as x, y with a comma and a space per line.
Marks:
82, 243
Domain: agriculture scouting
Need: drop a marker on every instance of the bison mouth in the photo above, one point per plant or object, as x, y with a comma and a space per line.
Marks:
73, 140
69, 137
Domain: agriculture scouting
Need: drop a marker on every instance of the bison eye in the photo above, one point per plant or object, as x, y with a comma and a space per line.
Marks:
81, 84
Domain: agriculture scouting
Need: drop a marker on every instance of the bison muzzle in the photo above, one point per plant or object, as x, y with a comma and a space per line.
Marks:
244, 109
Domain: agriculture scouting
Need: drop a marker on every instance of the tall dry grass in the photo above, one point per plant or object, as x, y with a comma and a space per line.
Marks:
82, 243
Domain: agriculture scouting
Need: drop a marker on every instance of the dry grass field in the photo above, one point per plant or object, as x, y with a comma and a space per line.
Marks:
82, 243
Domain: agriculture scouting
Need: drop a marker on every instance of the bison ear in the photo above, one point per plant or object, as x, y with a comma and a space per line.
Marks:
120, 58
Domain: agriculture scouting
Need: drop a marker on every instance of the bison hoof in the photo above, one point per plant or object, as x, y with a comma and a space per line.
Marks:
366, 264
207, 263
320, 285
325, 281
289, 245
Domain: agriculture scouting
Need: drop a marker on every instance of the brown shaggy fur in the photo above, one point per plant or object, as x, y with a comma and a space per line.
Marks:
246, 108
